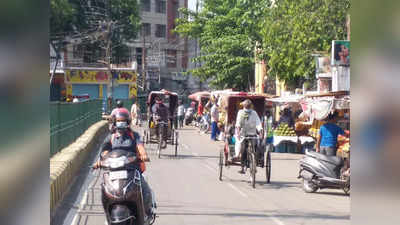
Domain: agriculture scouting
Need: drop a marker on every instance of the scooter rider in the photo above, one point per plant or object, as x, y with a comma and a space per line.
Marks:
126, 139
161, 113
120, 108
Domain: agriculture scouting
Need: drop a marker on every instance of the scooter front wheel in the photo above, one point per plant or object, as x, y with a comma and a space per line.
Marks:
309, 187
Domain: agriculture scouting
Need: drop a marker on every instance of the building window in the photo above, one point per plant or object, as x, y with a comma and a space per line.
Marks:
171, 58
160, 31
160, 6
145, 5
146, 29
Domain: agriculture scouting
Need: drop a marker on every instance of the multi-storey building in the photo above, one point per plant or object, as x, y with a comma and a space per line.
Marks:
162, 56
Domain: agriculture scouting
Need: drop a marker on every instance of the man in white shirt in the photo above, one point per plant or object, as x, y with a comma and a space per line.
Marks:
135, 113
181, 114
247, 124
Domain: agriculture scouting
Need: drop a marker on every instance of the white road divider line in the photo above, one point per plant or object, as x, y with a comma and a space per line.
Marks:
237, 190
81, 204
209, 167
276, 220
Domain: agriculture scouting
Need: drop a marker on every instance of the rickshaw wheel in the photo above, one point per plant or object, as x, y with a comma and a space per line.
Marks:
176, 143
172, 137
252, 165
268, 165
221, 163
160, 140
145, 137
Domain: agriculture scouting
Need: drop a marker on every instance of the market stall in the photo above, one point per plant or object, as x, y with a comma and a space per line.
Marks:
287, 137
318, 107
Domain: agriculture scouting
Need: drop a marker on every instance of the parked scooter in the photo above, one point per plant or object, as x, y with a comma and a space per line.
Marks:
123, 198
319, 171
189, 116
205, 124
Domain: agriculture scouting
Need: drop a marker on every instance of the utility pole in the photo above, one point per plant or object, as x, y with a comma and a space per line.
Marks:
195, 49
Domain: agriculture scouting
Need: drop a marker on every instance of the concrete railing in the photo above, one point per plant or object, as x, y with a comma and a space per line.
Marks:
65, 165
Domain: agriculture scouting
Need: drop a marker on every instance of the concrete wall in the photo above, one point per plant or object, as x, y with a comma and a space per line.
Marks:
65, 164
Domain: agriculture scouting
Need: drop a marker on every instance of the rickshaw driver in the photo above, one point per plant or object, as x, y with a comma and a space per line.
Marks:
247, 124
161, 113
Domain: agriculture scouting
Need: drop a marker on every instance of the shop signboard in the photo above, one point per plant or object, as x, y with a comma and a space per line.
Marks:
125, 77
86, 76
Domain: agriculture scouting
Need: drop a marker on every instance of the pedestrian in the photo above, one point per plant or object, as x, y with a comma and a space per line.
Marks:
181, 114
135, 113
268, 124
328, 134
214, 121
200, 110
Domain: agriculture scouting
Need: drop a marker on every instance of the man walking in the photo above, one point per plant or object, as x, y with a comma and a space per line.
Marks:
214, 121
181, 114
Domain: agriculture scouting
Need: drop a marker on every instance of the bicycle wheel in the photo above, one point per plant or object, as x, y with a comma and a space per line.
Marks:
268, 165
176, 144
160, 140
252, 164
221, 163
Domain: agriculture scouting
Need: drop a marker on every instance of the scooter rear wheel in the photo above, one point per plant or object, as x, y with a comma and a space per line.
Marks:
309, 187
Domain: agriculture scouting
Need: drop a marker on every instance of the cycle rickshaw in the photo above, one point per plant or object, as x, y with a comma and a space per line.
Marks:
160, 131
255, 153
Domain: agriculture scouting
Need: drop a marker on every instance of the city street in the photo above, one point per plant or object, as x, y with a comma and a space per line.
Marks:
188, 191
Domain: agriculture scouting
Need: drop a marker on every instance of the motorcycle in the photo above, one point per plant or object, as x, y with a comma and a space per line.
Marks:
189, 116
123, 198
205, 124
319, 171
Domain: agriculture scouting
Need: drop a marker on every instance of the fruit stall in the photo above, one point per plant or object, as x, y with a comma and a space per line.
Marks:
288, 139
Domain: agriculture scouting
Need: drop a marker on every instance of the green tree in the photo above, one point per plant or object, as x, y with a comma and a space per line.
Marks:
61, 17
83, 19
227, 31
293, 30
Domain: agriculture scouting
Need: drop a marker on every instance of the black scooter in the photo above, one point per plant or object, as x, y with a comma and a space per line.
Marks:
319, 171
122, 193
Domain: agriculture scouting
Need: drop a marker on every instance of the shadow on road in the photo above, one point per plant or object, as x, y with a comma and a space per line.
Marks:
340, 194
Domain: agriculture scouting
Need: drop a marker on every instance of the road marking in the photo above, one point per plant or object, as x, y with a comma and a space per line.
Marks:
237, 190
195, 154
81, 204
185, 146
209, 167
276, 220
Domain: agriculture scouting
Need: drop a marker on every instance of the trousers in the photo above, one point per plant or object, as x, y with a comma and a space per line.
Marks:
214, 130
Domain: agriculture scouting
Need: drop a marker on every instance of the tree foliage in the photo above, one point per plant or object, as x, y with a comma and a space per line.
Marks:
293, 30
289, 32
61, 17
227, 33
82, 19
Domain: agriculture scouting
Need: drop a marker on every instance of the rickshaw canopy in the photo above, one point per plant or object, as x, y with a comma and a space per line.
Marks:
230, 103
173, 96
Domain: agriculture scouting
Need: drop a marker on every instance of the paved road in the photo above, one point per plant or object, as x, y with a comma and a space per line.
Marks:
188, 192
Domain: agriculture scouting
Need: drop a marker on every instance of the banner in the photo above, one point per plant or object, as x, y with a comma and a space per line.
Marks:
132, 91
125, 77
86, 76
340, 53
